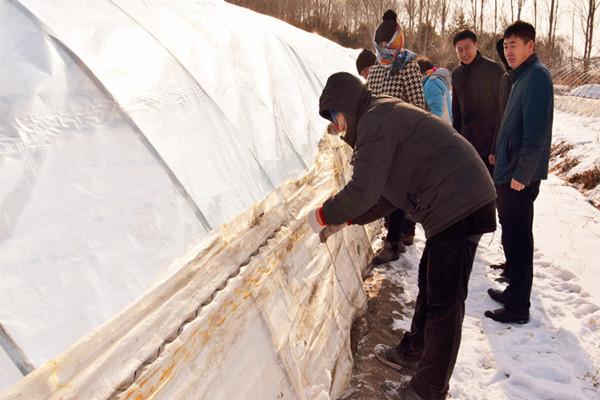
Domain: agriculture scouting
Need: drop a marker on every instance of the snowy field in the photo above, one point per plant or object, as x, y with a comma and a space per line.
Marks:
582, 135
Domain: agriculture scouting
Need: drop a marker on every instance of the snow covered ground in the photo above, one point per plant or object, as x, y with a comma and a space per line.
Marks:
582, 135
557, 354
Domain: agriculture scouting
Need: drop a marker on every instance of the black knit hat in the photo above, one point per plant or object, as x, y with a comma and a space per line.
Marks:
365, 59
386, 29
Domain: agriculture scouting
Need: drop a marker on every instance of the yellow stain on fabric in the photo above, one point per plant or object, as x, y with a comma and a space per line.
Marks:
54, 380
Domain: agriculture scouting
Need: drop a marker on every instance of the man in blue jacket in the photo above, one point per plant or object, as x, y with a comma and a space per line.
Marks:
522, 155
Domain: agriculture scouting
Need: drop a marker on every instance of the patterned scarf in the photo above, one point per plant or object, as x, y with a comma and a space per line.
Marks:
397, 58
393, 53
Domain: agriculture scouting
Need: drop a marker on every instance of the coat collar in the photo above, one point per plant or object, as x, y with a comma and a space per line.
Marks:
528, 63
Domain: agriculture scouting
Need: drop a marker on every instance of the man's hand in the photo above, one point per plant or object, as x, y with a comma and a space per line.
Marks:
331, 129
516, 185
316, 221
492, 159
330, 230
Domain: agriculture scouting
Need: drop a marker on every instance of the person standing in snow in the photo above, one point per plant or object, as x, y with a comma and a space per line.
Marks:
441, 181
503, 93
436, 86
522, 156
475, 85
397, 74
364, 61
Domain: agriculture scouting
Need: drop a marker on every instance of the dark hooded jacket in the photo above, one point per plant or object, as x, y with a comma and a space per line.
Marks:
438, 178
505, 80
475, 107
505, 85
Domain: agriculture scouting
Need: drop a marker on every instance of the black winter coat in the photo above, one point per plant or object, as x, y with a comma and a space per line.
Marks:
437, 178
505, 86
476, 111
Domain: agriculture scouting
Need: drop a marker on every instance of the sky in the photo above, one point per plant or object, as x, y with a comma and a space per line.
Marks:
569, 23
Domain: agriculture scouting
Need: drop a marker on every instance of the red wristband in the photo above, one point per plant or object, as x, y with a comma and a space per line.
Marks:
320, 217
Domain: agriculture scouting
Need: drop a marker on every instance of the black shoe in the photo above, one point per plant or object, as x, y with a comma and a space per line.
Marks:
391, 357
498, 295
399, 392
498, 266
390, 252
508, 316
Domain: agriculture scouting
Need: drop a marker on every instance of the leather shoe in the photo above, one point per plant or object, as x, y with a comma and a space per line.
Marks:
404, 392
498, 295
390, 252
391, 357
506, 316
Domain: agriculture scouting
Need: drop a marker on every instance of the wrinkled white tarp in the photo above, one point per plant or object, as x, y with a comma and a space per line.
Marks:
258, 310
128, 131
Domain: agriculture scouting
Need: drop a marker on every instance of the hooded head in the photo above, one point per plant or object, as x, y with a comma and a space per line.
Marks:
501, 56
346, 94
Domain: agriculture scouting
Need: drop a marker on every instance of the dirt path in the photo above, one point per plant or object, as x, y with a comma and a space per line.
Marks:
384, 294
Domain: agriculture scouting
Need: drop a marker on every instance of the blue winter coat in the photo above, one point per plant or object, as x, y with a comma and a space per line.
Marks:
437, 94
523, 144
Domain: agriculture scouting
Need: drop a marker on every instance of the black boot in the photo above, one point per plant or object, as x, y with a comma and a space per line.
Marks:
402, 392
390, 252
391, 357
507, 316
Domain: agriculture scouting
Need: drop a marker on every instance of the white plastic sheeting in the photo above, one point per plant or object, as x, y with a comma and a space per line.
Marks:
128, 131
259, 310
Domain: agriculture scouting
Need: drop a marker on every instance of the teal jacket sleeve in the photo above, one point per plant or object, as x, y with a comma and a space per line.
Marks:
537, 125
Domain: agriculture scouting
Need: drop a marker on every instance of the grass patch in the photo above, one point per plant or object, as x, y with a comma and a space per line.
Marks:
587, 179
561, 148
563, 162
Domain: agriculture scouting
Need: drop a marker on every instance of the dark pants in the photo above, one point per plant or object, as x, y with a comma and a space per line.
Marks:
434, 338
515, 211
489, 166
397, 224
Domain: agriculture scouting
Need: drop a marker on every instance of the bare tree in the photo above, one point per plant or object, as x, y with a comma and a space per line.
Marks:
481, 15
444, 9
411, 10
474, 13
512, 11
520, 4
552, 20
495, 16
587, 14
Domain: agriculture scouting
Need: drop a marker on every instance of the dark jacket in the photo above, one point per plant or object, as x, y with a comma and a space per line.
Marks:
438, 178
475, 109
505, 85
523, 145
